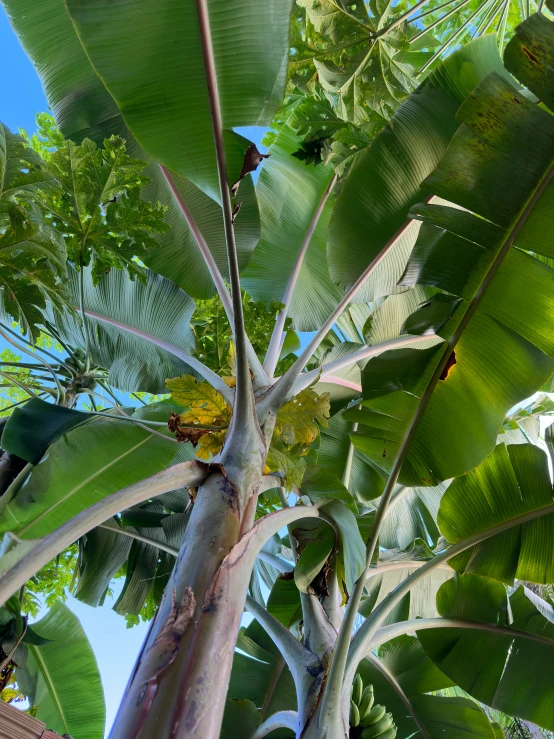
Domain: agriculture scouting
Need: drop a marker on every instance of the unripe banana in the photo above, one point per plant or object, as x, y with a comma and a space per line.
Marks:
376, 714
357, 688
366, 703
354, 714
389, 733
378, 728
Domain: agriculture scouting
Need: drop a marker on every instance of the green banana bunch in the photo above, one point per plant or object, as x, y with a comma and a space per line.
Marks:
373, 720
373, 716
357, 688
377, 729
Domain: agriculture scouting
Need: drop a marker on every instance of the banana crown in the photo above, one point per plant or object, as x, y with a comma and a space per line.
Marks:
367, 718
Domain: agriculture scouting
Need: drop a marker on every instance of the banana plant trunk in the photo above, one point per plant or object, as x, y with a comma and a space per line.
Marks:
179, 685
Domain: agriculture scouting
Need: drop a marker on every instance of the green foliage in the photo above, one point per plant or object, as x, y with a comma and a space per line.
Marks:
346, 78
12, 393
51, 583
98, 206
214, 333
47, 137
337, 50
32, 253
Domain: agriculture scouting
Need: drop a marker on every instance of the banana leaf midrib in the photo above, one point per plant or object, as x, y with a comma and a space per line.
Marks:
509, 239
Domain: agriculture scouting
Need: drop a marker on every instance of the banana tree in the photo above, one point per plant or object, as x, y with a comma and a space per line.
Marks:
383, 404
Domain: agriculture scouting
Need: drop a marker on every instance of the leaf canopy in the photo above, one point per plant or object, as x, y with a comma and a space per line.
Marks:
32, 254
478, 379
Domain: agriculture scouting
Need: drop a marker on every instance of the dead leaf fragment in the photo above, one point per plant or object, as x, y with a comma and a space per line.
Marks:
252, 160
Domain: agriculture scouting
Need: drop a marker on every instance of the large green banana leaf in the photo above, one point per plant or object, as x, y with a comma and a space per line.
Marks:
403, 665
157, 308
177, 257
289, 194
513, 480
502, 351
33, 427
241, 716
62, 679
103, 553
69, 478
260, 674
365, 483
83, 108
511, 674
420, 602
150, 58
374, 202
412, 515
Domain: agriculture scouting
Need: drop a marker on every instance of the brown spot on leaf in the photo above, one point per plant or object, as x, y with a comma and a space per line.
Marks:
515, 100
236, 209
529, 54
448, 366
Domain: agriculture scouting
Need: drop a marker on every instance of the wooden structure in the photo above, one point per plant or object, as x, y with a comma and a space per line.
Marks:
15, 724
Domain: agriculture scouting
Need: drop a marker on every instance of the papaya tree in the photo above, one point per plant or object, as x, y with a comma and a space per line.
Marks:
375, 501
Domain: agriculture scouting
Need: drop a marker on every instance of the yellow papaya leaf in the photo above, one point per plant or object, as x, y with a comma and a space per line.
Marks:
202, 404
297, 421
210, 444
230, 381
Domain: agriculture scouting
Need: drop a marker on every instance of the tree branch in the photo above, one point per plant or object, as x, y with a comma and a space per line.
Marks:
401, 18
280, 720
363, 639
308, 378
36, 348
278, 562
140, 537
455, 36
294, 653
61, 391
215, 380
277, 337
319, 633
386, 633
275, 396
19, 563
259, 373
244, 407
407, 564
428, 28
383, 669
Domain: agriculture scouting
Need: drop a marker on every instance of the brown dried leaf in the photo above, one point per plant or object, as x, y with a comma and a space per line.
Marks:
252, 160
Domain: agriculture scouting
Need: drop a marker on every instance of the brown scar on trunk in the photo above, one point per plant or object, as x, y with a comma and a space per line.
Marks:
163, 652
